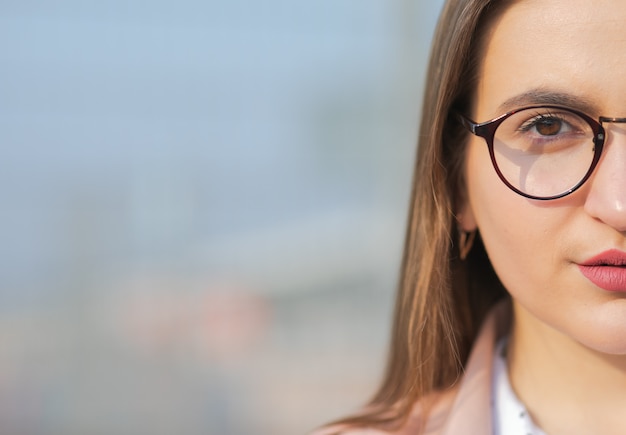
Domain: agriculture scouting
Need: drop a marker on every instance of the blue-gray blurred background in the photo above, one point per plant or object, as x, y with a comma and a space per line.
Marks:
202, 209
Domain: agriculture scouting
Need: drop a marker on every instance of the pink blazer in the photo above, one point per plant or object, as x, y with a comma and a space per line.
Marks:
465, 408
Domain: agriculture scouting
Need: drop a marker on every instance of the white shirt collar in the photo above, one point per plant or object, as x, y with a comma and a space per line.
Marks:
510, 416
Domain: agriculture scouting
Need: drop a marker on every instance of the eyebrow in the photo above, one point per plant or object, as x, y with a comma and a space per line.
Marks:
549, 97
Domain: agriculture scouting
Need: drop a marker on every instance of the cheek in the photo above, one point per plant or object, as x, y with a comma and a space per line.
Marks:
515, 231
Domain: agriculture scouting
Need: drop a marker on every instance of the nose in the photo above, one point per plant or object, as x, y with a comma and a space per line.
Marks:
606, 199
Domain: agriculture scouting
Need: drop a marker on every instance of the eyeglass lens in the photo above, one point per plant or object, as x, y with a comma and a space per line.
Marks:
543, 152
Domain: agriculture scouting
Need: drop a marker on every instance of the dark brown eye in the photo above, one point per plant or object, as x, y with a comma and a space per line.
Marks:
548, 127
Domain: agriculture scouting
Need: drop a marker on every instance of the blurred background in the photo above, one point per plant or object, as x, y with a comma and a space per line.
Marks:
203, 206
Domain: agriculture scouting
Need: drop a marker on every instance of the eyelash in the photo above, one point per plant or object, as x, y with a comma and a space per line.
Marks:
527, 125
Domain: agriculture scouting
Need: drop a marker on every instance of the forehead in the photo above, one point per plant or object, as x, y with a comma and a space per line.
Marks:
575, 47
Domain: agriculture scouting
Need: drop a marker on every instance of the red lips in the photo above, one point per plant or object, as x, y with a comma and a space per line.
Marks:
607, 270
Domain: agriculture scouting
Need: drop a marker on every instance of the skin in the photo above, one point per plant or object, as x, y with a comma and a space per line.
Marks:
567, 352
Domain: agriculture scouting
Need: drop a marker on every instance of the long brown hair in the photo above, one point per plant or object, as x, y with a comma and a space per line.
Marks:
441, 299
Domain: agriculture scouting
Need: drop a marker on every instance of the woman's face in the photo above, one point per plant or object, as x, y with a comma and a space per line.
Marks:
572, 52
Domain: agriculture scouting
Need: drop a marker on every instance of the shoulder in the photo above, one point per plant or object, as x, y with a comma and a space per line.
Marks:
427, 417
464, 408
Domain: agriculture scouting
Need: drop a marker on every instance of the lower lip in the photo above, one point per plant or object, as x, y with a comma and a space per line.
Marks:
609, 278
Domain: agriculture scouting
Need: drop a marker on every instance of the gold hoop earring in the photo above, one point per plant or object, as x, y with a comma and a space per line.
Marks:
466, 241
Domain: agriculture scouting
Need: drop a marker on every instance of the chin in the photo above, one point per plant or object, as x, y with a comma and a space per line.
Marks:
608, 347
608, 338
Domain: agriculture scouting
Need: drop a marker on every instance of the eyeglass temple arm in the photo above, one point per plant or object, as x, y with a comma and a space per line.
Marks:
471, 126
604, 119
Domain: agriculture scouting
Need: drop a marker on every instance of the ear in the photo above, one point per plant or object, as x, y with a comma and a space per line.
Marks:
465, 215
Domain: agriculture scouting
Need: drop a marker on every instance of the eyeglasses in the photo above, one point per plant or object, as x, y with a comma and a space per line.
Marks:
543, 152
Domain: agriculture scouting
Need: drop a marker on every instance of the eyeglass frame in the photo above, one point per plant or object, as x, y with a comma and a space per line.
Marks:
487, 131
